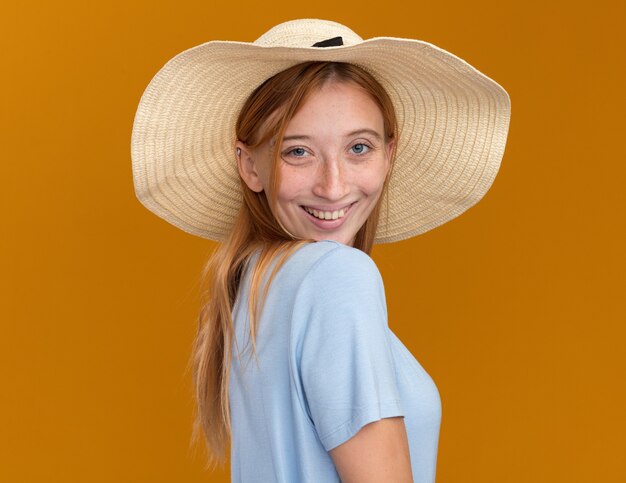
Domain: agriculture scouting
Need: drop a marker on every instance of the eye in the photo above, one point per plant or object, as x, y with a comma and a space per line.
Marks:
360, 148
296, 152
298, 155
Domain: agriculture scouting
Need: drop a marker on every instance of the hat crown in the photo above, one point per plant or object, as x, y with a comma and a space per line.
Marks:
306, 32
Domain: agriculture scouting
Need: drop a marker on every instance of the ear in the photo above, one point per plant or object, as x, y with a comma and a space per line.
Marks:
247, 167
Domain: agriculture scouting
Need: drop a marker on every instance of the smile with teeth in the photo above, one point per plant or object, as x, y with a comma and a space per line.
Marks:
325, 215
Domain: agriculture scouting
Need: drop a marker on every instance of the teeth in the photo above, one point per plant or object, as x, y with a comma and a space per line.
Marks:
326, 215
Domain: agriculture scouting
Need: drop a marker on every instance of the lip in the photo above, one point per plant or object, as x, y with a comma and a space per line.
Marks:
328, 224
330, 208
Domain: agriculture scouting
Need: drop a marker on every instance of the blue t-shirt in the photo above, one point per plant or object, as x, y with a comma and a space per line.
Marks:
327, 364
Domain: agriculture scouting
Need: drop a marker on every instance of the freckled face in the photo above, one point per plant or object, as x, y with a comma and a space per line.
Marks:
333, 164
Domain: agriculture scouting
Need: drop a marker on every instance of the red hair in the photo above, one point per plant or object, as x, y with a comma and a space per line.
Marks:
265, 114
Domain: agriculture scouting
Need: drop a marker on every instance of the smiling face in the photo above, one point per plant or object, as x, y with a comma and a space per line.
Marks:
332, 167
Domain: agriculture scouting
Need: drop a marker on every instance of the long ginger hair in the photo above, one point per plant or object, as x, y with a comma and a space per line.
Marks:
265, 115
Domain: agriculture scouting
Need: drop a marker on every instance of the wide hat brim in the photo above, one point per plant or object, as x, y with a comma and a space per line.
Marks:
453, 124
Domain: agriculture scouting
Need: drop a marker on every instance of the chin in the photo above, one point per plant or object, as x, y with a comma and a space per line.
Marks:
345, 240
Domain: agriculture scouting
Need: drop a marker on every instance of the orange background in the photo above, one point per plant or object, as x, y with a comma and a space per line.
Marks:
515, 308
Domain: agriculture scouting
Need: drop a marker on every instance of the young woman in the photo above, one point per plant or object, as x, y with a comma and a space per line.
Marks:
299, 152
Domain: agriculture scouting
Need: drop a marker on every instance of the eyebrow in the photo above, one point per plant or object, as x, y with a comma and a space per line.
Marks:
350, 134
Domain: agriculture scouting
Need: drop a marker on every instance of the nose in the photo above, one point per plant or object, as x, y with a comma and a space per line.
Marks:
331, 182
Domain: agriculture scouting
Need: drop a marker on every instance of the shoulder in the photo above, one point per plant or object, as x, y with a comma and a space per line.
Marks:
337, 274
332, 261
341, 299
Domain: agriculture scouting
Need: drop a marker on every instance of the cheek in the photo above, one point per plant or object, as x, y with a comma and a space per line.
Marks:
372, 183
292, 184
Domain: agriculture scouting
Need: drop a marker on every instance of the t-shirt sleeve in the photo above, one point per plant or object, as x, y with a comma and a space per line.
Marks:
346, 365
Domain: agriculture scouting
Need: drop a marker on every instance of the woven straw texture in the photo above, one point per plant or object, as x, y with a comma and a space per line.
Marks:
453, 124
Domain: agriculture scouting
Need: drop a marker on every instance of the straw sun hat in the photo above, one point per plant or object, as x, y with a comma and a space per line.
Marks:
453, 123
